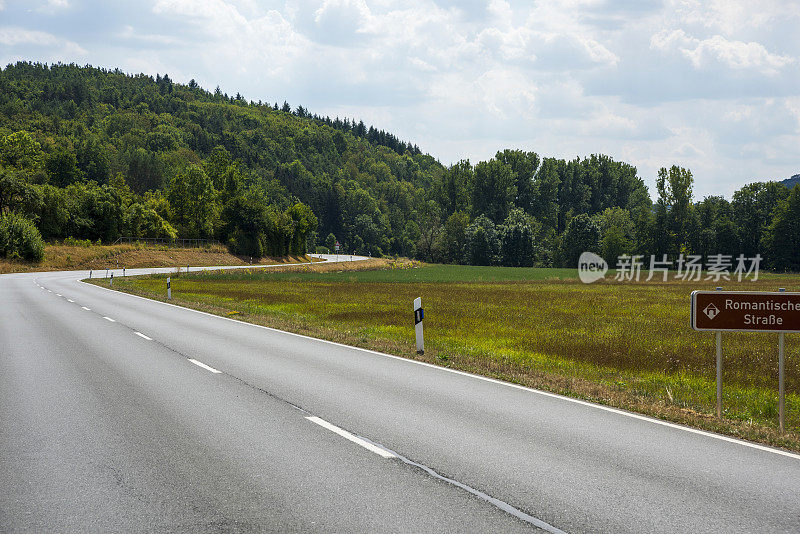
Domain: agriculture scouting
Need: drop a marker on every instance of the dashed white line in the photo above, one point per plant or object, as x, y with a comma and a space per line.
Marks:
85, 308
109, 319
70, 300
588, 404
355, 439
144, 336
204, 366
58, 294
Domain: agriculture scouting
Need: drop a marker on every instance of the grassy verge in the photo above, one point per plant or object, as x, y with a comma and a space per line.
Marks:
59, 257
627, 345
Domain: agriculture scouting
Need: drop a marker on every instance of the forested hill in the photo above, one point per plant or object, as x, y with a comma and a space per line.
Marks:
93, 125
791, 182
98, 154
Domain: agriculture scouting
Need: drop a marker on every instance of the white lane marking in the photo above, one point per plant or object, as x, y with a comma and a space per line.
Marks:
109, 319
144, 336
204, 366
58, 294
70, 300
85, 308
617, 411
347, 435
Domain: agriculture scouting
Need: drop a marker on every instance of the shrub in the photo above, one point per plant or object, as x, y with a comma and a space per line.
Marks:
3, 237
243, 244
72, 242
19, 238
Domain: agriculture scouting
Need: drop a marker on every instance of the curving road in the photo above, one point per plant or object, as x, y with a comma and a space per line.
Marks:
119, 413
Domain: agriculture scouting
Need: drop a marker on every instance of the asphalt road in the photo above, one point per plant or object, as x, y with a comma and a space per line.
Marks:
121, 414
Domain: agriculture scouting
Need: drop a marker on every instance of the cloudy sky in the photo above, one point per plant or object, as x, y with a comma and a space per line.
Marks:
710, 85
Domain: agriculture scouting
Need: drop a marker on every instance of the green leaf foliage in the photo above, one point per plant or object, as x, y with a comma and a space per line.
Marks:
100, 154
20, 239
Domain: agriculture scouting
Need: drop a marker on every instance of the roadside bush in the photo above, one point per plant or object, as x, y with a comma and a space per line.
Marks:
322, 250
72, 242
3, 237
19, 238
244, 244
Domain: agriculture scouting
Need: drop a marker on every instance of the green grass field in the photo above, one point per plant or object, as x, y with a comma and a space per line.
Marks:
624, 344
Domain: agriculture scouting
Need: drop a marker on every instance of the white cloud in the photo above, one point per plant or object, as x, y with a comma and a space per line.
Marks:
731, 16
14, 36
129, 33
267, 43
687, 150
341, 21
717, 49
52, 7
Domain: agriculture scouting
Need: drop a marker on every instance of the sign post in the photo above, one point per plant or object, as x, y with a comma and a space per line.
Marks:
748, 311
169, 289
419, 314
719, 375
719, 371
781, 391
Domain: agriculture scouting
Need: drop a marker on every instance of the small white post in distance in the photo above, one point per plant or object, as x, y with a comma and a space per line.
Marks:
123, 272
419, 314
111, 282
90, 273
169, 289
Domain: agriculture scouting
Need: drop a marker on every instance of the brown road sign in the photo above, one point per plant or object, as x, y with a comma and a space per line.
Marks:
746, 311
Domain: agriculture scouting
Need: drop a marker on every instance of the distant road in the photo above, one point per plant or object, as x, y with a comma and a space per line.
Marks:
123, 414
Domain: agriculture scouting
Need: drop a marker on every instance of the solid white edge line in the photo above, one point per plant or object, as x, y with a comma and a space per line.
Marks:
109, 319
143, 336
85, 308
204, 366
347, 435
492, 380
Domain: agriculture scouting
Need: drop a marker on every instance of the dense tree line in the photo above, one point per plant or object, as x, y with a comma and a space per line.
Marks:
98, 154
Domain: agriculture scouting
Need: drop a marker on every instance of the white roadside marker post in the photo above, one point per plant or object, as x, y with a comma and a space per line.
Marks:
90, 273
123, 272
169, 290
111, 283
781, 377
419, 314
